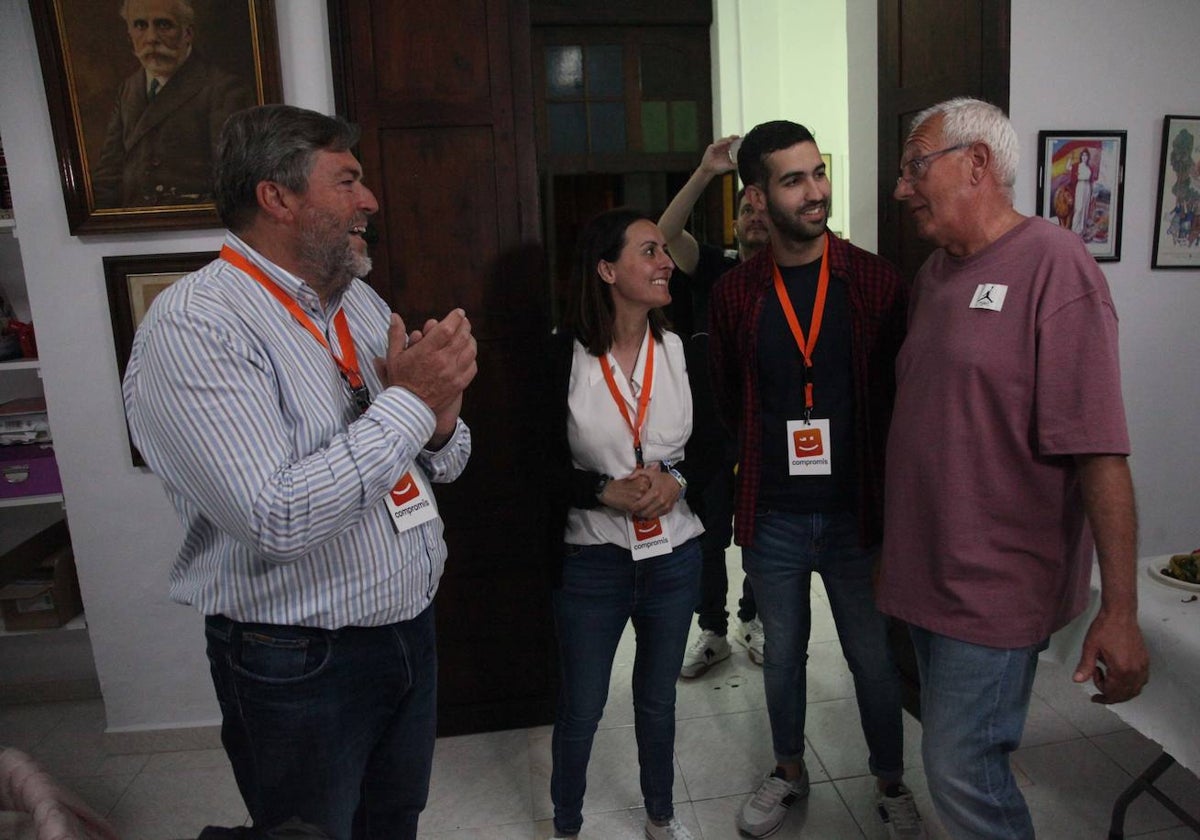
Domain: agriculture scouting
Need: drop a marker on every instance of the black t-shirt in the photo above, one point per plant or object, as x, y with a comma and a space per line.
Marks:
690, 295
781, 389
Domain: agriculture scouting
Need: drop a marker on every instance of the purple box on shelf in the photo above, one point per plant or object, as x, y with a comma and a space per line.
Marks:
28, 470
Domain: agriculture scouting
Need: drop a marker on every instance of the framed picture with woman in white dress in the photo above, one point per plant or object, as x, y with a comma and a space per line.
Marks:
1081, 186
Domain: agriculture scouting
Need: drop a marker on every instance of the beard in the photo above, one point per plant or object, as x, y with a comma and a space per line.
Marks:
325, 248
795, 228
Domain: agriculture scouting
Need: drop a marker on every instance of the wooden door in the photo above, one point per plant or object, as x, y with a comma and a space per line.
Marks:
443, 95
929, 51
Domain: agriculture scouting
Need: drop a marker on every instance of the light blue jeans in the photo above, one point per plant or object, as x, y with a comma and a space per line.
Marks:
788, 548
974, 701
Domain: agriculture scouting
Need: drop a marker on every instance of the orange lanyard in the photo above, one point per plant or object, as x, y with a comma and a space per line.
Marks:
347, 364
806, 347
643, 398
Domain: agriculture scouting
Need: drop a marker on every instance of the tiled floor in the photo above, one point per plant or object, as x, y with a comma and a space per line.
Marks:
1076, 757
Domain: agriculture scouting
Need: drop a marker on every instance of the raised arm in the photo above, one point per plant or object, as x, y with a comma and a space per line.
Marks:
681, 244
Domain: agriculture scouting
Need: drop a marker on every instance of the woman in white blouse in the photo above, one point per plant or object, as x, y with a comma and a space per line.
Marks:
621, 418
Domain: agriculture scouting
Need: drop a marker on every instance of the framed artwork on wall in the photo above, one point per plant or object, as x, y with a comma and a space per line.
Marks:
133, 283
1177, 208
137, 101
1081, 186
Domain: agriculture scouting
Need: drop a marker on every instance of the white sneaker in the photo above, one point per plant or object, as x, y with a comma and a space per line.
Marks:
750, 635
706, 651
763, 812
899, 814
674, 830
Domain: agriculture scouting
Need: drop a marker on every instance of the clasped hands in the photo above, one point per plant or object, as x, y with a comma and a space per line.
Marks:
436, 363
647, 492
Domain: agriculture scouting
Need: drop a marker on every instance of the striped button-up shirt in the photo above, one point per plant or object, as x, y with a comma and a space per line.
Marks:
281, 486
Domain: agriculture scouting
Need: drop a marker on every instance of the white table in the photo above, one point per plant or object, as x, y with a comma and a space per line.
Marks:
1168, 709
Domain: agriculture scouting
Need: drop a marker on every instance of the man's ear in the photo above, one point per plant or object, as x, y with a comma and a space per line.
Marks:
274, 200
757, 197
980, 155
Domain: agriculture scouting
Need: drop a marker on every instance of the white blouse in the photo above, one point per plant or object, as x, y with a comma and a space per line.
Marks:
601, 440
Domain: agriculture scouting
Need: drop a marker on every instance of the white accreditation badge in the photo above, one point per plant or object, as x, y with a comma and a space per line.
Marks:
648, 537
808, 448
989, 296
411, 502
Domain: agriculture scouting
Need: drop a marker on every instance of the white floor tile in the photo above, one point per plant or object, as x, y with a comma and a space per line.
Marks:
177, 804
478, 781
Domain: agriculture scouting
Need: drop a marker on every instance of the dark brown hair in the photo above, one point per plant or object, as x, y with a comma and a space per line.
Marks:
590, 311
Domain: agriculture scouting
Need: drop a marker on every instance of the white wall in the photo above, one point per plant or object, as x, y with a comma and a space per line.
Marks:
1123, 66
149, 652
779, 59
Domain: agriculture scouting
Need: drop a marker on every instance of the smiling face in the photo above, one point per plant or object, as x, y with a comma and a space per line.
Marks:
331, 220
160, 39
640, 277
796, 196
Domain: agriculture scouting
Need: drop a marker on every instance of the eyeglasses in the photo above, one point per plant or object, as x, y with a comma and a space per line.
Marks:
916, 168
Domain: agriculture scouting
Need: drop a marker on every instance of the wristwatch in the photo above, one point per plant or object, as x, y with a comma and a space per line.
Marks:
669, 467
601, 483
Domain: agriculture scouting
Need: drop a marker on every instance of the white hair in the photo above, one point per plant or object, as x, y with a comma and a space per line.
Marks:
183, 11
966, 120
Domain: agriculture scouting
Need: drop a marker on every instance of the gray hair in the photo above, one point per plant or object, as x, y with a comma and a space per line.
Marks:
271, 143
966, 120
184, 12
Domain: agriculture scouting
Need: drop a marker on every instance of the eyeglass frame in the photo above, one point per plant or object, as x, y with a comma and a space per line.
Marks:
922, 163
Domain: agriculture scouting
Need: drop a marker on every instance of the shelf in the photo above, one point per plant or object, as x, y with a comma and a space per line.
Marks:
20, 364
8, 224
79, 622
23, 501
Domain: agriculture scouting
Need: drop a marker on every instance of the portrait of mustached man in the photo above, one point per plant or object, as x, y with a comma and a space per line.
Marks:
158, 147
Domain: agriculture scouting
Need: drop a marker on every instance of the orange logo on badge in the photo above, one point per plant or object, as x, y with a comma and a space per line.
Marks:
807, 443
405, 490
644, 529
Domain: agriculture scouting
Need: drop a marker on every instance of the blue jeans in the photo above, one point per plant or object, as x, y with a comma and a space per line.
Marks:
974, 701
788, 548
336, 727
602, 588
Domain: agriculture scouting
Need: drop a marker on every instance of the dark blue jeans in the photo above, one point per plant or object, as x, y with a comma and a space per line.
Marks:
714, 577
602, 589
335, 727
788, 548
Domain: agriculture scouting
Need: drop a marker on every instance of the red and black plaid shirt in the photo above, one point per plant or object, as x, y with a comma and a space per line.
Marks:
879, 311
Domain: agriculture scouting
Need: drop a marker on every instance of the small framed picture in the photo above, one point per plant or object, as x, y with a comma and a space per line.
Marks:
1081, 186
1177, 210
133, 283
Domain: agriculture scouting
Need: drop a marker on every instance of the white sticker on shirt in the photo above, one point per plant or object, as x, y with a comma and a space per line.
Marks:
808, 448
648, 537
411, 502
989, 296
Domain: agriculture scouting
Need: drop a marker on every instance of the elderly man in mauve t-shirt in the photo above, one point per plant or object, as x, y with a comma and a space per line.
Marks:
1006, 466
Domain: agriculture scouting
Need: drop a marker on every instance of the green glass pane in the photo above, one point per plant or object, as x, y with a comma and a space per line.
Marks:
564, 72
604, 76
654, 127
567, 124
685, 136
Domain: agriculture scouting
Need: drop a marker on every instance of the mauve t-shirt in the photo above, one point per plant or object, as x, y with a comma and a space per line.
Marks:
985, 537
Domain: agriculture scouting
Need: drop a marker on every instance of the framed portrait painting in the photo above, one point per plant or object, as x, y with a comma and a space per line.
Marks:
1177, 208
1081, 186
133, 283
138, 91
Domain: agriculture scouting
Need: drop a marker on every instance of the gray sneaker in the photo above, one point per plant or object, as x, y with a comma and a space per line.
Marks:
763, 813
674, 830
898, 811
750, 635
706, 651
